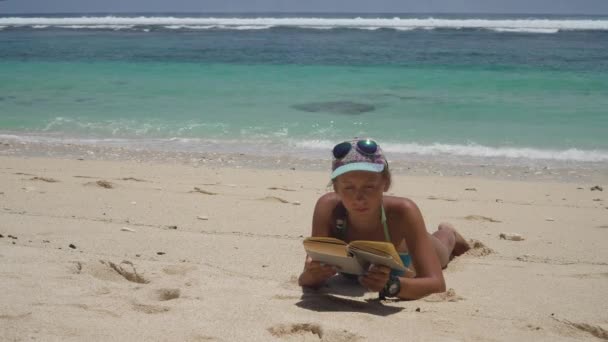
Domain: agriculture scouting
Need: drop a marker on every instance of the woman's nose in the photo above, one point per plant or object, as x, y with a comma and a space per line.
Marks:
360, 195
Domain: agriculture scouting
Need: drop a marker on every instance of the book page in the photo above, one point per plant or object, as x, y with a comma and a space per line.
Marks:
367, 258
380, 248
345, 263
332, 252
324, 239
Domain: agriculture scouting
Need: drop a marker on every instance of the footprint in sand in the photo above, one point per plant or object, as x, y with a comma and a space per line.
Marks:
533, 327
480, 218
203, 191
447, 199
102, 184
107, 270
167, 294
594, 330
132, 179
149, 309
44, 179
280, 188
301, 329
15, 317
76, 267
310, 332
128, 272
273, 199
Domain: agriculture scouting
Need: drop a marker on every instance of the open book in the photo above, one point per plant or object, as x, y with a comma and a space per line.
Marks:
355, 257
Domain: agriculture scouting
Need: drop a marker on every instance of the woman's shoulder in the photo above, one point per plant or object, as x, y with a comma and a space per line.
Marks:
399, 205
328, 201
325, 213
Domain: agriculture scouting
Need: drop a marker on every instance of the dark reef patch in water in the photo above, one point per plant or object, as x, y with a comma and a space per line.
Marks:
341, 107
84, 99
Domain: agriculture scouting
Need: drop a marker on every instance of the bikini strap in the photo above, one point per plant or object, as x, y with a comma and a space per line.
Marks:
340, 227
340, 216
387, 236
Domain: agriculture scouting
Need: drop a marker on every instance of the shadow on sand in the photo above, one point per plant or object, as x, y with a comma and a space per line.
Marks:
329, 299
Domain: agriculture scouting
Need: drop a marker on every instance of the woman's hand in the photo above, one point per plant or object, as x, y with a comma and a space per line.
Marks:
316, 273
376, 277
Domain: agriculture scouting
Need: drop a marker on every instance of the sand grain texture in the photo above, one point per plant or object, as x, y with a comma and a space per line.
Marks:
232, 276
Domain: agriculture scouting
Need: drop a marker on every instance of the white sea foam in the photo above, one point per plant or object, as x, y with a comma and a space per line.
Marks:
190, 27
256, 139
404, 28
527, 30
317, 27
97, 27
500, 25
249, 27
474, 150
369, 28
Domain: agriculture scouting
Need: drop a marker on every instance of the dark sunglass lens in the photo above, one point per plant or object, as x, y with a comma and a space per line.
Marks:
367, 146
341, 150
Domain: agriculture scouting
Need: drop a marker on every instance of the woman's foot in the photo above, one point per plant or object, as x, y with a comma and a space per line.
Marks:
460, 244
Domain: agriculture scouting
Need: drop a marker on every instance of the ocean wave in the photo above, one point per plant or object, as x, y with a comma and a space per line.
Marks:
498, 25
474, 150
279, 142
527, 30
130, 127
91, 27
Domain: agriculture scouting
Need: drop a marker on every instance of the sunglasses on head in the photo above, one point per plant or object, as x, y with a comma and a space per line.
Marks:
365, 146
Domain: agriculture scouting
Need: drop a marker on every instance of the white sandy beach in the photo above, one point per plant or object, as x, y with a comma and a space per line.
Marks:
175, 252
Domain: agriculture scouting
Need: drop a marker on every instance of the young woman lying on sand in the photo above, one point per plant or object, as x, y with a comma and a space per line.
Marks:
359, 210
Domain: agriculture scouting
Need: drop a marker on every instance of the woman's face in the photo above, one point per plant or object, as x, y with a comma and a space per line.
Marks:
360, 191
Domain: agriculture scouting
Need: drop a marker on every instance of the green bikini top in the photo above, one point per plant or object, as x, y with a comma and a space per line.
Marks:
341, 234
387, 235
341, 225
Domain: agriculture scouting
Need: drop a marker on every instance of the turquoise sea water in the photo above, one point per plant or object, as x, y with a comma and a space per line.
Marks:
510, 88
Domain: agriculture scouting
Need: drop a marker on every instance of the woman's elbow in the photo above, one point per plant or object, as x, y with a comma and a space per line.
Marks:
439, 285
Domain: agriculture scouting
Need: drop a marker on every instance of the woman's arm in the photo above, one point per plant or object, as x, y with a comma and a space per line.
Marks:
315, 274
429, 276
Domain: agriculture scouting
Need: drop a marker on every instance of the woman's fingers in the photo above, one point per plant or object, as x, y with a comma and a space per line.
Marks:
371, 284
319, 270
376, 277
379, 269
316, 266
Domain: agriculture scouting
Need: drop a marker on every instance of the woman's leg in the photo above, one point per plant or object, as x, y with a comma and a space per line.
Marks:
448, 243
